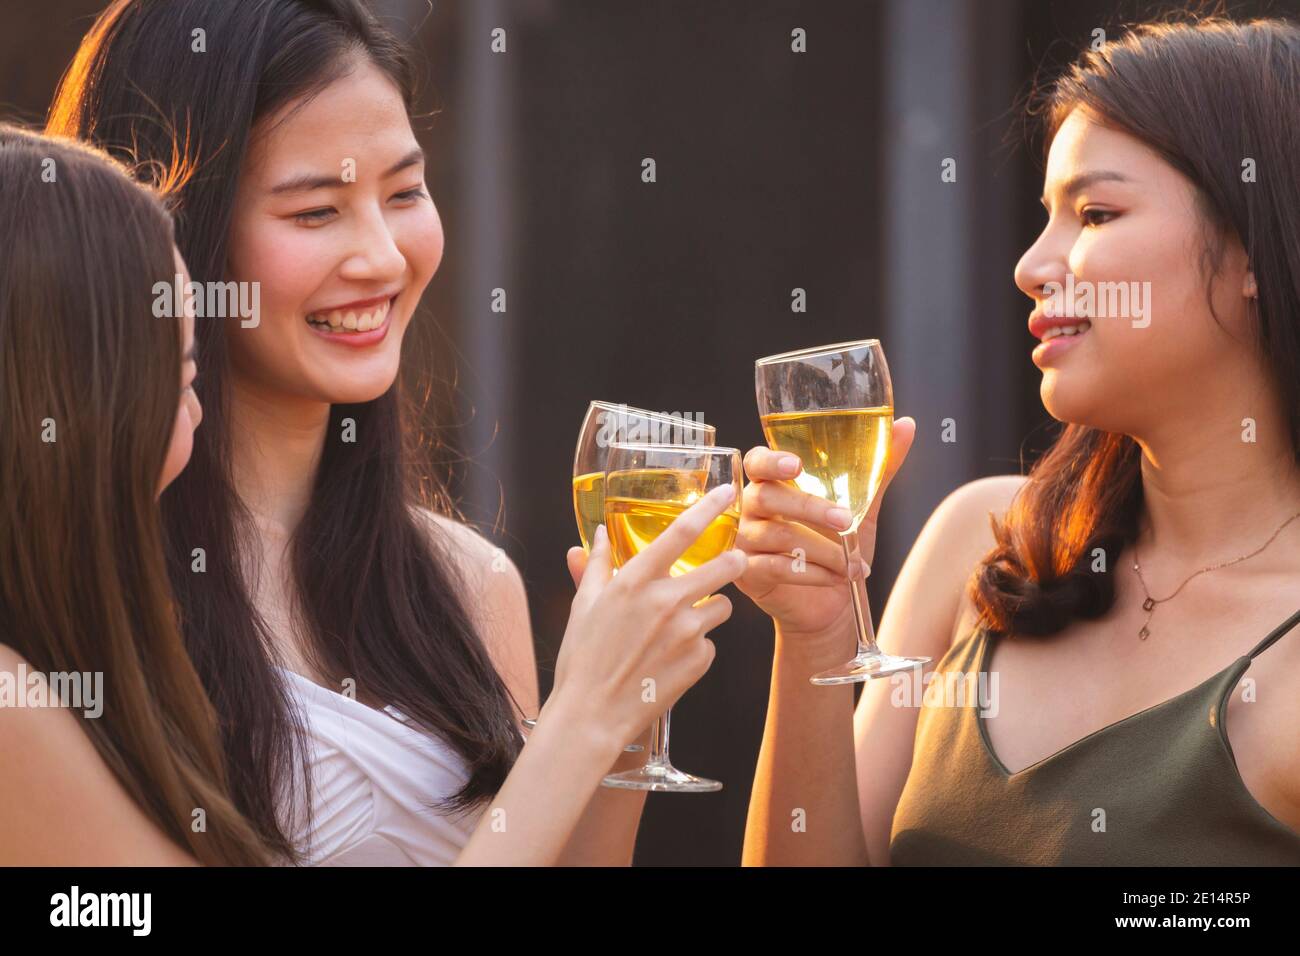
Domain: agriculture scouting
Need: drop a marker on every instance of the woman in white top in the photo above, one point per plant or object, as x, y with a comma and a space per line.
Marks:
323, 594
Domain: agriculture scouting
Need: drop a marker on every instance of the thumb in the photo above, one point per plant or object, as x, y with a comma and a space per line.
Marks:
901, 438
577, 561
903, 434
599, 566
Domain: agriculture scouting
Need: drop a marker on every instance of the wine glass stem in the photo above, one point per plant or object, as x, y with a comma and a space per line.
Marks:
659, 741
861, 609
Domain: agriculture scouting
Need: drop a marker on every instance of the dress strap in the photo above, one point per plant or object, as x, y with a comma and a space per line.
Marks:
1274, 634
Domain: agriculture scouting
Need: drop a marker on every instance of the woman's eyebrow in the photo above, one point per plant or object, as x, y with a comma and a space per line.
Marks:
305, 182
1082, 181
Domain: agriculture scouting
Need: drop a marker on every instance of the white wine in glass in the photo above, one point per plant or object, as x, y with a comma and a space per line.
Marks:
833, 406
646, 488
604, 424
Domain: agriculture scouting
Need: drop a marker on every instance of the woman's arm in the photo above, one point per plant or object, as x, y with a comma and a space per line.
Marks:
828, 780
644, 625
925, 611
803, 808
818, 753
60, 804
606, 832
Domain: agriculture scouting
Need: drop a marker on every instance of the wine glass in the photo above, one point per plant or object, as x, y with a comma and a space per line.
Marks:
604, 424
833, 406
646, 487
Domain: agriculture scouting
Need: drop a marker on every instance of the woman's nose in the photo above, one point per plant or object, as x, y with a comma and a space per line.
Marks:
1038, 266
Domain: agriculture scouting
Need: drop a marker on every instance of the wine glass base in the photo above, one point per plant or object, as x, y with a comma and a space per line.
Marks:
866, 667
660, 779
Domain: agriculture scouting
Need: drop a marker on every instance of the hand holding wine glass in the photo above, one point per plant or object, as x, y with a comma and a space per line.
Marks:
642, 623
833, 407
604, 425
797, 568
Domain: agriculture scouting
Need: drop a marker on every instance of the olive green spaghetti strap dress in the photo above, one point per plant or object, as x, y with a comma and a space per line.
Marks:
1158, 788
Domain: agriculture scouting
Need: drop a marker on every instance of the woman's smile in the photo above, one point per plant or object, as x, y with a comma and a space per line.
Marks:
1058, 337
355, 324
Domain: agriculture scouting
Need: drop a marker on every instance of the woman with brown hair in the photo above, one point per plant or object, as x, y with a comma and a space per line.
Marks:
99, 410
1149, 561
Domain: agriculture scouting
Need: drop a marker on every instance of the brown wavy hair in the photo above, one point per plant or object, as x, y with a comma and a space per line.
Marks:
83, 579
1203, 93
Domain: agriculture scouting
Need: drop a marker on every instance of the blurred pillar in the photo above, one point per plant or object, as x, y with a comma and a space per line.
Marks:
948, 335
481, 103
485, 150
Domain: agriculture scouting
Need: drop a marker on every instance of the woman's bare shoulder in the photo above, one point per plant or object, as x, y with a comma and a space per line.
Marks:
970, 533
494, 596
475, 555
928, 599
63, 805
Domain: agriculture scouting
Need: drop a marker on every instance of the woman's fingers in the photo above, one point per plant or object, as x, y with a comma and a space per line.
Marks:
765, 464
766, 571
770, 499
599, 568
657, 559
707, 614
775, 536
577, 562
900, 442
708, 577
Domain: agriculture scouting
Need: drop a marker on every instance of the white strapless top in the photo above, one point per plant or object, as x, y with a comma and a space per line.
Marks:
374, 780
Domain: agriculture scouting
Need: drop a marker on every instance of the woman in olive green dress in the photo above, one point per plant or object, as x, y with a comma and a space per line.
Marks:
1116, 630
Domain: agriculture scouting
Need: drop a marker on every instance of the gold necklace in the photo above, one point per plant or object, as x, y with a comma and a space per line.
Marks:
1150, 603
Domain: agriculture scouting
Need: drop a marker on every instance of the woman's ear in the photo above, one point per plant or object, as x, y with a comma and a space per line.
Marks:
1249, 288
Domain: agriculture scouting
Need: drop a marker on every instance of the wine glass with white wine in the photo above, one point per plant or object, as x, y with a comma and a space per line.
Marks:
646, 488
833, 406
604, 424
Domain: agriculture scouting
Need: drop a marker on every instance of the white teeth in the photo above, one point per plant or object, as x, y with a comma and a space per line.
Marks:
1067, 330
351, 321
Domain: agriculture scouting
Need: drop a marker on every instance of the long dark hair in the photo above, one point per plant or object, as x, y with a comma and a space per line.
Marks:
383, 609
1204, 94
83, 586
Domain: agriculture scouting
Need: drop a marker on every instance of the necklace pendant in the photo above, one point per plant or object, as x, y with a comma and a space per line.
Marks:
1144, 633
1148, 604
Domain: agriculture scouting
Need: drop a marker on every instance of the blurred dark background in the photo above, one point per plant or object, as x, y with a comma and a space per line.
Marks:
776, 170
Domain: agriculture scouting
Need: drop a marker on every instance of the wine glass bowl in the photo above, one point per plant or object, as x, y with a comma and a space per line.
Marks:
606, 424
833, 407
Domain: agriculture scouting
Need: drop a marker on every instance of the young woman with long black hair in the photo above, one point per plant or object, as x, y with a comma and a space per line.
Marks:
1149, 561
99, 411
369, 657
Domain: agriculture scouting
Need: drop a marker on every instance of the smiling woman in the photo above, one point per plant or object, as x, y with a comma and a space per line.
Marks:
343, 238
1116, 739
370, 656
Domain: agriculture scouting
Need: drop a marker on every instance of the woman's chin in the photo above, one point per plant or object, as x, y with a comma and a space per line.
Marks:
358, 393
357, 380
1063, 400
1075, 405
